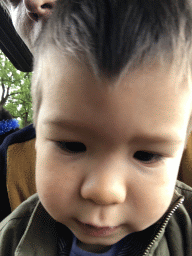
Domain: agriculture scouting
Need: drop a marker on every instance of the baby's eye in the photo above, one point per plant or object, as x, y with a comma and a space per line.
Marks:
72, 147
147, 157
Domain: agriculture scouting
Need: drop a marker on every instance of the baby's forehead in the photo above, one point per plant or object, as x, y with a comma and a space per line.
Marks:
143, 104
56, 66
66, 70
55, 58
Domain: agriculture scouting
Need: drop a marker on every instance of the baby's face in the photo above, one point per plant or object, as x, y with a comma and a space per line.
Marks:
108, 154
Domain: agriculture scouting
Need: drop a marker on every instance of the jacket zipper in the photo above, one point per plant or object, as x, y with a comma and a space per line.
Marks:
163, 226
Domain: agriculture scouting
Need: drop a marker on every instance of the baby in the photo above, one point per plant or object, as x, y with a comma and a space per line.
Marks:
112, 105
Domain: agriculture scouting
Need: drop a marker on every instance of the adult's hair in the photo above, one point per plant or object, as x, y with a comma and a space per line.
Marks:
115, 35
8, 125
4, 114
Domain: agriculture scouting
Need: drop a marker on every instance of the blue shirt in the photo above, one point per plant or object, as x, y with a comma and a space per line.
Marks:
76, 251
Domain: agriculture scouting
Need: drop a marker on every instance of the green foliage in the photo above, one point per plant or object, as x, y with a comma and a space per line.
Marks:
15, 93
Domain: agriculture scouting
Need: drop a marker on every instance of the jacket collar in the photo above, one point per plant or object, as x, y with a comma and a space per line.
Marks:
40, 236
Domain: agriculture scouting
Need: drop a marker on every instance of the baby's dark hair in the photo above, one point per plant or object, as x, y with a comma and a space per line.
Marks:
114, 35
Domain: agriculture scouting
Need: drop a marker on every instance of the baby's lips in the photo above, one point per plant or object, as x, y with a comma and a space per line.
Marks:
95, 230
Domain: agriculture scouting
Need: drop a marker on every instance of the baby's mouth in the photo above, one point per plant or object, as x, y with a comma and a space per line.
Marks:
96, 231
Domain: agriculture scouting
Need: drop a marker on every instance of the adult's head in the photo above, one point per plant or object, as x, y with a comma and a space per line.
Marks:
28, 16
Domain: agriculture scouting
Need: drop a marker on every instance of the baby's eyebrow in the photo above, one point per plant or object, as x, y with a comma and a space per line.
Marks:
65, 123
139, 137
154, 139
70, 125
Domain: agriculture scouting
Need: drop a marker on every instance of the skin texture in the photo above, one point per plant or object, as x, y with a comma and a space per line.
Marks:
28, 16
107, 182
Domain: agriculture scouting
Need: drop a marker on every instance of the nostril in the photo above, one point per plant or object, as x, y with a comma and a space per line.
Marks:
47, 6
34, 16
37, 11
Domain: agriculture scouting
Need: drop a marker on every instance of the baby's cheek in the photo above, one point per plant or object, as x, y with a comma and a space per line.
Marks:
45, 178
55, 191
51, 196
151, 206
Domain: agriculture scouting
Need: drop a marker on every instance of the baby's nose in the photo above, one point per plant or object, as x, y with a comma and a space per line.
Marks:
38, 9
104, 187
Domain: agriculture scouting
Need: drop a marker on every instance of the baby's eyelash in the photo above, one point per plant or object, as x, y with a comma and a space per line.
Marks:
147, 157
78, 147
71, 147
